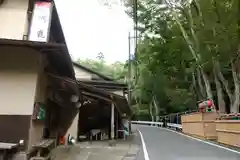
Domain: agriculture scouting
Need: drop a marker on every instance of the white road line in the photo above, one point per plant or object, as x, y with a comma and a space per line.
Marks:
145, 152
199, 140
206, 142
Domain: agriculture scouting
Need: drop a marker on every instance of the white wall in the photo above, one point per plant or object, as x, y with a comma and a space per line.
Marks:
18, 77
13, 19
73, 129
21, 82
119, 92
82, 74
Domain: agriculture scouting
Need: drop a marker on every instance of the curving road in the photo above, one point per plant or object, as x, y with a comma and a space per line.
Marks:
162, 144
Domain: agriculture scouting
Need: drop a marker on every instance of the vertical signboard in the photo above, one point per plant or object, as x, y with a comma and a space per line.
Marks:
39, 112
41, 21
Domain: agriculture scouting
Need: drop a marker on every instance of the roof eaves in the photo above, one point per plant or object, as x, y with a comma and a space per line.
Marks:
100, 82
120, 101
93, 72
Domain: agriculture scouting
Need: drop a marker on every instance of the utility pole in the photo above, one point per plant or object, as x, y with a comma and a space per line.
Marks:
130, 59
135, 8
129, 78
129, 69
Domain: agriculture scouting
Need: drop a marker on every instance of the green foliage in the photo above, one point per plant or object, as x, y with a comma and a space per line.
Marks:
176, 40
164, 61
167, 33
117, 70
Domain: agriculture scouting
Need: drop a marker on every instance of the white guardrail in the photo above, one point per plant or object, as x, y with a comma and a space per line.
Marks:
160, 124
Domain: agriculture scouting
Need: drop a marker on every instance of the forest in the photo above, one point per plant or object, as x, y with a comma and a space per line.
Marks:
186, 51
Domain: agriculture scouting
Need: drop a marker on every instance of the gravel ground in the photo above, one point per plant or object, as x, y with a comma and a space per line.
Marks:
100, 150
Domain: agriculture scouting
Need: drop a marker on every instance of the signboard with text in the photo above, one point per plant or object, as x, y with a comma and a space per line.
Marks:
39, 111
41, 21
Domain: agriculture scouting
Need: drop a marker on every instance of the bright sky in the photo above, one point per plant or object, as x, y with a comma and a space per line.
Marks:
90, 28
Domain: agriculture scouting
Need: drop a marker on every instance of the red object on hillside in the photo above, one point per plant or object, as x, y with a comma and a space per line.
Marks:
201, 107
204, 105
209, 103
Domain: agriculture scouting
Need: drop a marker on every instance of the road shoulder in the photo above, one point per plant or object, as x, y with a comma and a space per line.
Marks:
121, 150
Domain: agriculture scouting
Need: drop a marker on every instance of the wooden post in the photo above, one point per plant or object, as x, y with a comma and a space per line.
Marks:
117, 126
129, 126
112, 121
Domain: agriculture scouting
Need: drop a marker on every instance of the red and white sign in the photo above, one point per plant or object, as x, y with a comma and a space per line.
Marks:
41, 21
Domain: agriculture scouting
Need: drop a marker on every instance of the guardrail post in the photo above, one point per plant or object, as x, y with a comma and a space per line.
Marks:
177, 118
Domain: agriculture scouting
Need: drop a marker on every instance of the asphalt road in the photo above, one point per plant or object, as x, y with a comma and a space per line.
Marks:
162, 144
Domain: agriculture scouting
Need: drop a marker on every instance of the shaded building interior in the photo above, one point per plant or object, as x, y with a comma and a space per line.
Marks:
104, 104
97, 112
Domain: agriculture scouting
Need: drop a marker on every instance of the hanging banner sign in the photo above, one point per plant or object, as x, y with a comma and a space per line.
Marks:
39, 111
41, 21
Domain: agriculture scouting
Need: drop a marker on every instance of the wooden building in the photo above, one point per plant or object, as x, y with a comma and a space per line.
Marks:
108, 103
41, 90
36, 75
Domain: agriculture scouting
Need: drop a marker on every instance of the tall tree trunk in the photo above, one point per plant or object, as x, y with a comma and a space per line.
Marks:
236, 102
200, 84
224, 82
195, 55
221, 102
233, 97
235, 71
151, 112
197, 95
197, 51
207, 84
195, 87
156, 109
194, 51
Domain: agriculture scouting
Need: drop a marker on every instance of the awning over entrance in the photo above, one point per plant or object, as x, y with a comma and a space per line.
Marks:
109, 85
119, 101
93, 92
122, 103
65, 93
63, 83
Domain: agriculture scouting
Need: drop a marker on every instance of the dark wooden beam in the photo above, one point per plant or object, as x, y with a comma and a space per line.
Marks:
97, 96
